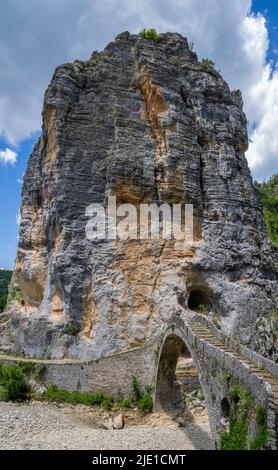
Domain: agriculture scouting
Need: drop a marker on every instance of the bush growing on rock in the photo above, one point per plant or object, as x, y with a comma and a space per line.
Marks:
237, 438
72, 329
151, 34
13, 384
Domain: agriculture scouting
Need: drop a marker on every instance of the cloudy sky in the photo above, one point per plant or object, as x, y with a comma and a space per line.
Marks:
240, 36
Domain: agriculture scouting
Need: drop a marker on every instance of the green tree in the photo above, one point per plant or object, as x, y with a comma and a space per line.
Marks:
5, 279
269, 198
3, 302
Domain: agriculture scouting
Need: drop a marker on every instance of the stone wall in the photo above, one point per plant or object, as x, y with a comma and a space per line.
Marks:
112, 374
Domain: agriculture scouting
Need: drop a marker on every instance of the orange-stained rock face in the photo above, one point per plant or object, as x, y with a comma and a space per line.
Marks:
133, 125
89, 314
51, 139
154, 104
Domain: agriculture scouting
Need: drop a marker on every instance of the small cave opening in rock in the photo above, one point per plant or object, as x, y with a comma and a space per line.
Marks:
199, 301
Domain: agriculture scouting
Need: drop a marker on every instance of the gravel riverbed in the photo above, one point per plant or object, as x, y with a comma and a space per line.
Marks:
37, 425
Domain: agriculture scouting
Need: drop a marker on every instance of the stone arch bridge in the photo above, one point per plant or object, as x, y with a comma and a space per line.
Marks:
221, 363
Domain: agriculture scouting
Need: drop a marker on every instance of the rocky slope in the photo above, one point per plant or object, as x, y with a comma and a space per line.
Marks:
143, 121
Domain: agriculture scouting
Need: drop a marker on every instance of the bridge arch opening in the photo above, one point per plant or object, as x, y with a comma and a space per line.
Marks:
225, 408
179, 394
176, 375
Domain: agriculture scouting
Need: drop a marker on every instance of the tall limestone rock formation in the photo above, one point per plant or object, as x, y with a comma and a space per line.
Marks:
146, 122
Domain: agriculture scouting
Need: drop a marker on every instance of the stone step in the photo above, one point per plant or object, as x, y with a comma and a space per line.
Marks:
206, 335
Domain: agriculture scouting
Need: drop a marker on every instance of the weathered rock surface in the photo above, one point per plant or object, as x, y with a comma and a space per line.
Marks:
118, 421
143, 121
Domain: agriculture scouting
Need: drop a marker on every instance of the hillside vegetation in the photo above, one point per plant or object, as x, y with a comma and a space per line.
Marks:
5, 279
269, 198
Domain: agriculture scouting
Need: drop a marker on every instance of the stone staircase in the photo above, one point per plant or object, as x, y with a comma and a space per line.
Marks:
206, 334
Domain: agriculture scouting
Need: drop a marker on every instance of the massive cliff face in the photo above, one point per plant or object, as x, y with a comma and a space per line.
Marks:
146, 122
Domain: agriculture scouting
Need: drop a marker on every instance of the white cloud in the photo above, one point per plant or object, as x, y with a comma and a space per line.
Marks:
8, 156
37, 36
18, 217
263, 149
20, 180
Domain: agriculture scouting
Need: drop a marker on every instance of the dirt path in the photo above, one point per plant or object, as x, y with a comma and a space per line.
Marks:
53, 426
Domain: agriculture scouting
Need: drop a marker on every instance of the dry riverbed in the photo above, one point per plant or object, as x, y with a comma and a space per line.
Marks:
37, 425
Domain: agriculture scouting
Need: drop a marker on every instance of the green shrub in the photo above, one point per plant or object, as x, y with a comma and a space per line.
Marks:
156, 349
40, 370
13, 384
5, 279
261, 435
150, 34
125, 403
146, 403
269, 198
26, 367
15, 294
207, 64
174, 60
107, 402
3, 302
241, 396
98, 398
87, 63
173, 327
91, 62
143, 399
136, 387
235, 392
149, 388
224, 378
201, 308
216, 324
72, 329
236, 438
